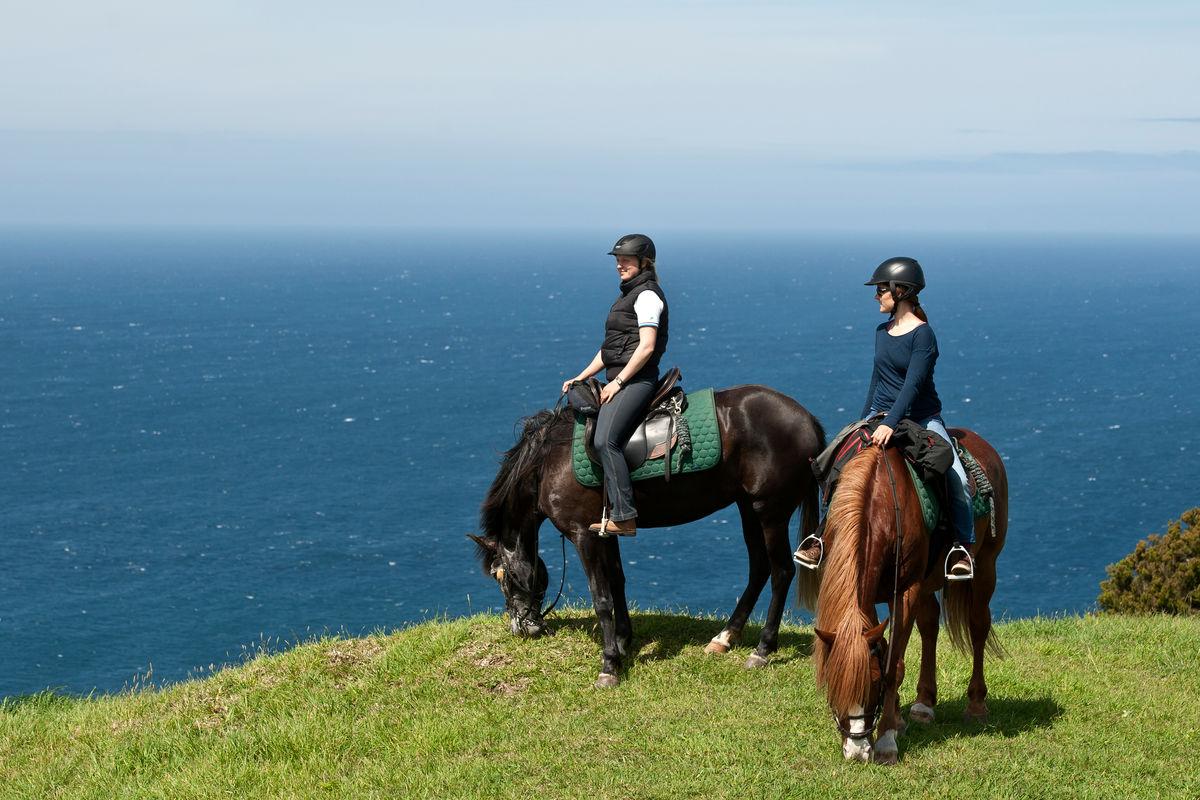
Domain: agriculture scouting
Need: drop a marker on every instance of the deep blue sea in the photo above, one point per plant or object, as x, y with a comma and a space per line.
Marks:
213, 441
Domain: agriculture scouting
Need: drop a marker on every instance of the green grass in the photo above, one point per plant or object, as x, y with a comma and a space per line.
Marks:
1083, 707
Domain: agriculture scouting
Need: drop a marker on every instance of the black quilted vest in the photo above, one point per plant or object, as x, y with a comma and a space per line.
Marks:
621, 329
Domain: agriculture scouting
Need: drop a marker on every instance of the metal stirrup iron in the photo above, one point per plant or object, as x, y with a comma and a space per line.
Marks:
809, 541
970, 563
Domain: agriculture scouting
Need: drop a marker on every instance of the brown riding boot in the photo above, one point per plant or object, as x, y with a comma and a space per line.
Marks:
627, 527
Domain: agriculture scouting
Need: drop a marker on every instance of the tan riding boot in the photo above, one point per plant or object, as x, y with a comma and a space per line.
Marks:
610, 527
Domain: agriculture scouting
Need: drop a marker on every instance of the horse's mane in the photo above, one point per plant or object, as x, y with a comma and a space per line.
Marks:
519, 463
844, 670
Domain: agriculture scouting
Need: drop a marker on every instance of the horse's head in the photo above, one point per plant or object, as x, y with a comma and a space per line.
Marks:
522, 577
856, 718
510, 519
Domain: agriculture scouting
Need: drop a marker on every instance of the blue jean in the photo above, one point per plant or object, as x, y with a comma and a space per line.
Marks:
617, 421
960, 501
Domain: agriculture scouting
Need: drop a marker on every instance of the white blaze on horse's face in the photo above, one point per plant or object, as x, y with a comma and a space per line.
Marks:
857, 747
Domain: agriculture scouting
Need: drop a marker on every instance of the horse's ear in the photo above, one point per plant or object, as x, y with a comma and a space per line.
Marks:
486, 544
824, 636
875, 634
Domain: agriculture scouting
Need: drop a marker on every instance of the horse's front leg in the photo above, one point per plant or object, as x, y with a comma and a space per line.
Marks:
621, 620
597, 555
886, 749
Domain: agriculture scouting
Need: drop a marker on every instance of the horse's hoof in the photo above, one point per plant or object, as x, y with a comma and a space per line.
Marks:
716, 648
607, 681
755, 661
921, 713
975, 718
885, 751
887, 758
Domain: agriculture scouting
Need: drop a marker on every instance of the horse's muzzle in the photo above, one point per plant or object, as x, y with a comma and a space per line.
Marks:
526, 626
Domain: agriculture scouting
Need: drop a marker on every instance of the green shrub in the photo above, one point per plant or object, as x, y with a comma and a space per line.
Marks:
1162, 575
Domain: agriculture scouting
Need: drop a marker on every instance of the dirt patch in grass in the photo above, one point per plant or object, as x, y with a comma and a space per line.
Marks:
346, 655
482, 654
507, 688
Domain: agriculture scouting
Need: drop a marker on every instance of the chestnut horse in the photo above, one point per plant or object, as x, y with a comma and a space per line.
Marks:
767, 439
858, 668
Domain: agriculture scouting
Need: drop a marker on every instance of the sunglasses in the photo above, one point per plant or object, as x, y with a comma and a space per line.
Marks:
882, 289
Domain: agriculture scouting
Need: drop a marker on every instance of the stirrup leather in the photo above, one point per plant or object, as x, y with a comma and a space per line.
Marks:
970, 563
808, 541
603, 532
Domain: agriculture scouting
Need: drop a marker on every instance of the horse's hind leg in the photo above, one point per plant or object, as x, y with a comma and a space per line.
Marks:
779, 553
760, 570
927, 623
980, 621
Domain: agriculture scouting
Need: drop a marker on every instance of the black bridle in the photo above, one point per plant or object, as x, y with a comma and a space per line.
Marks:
872, 717
504, 576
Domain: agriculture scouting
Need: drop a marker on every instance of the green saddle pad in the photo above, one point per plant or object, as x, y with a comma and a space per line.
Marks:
931, 508
701, 416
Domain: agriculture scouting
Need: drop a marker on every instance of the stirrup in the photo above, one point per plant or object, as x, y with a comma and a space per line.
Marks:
809, 541
970, 564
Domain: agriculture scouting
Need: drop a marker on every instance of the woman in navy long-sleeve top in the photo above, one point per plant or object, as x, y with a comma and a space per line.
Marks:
902, 388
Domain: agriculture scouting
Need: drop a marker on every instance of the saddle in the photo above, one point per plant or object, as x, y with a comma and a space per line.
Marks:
927, 457
657, 435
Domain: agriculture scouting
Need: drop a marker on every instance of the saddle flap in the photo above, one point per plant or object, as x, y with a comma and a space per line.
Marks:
649, 438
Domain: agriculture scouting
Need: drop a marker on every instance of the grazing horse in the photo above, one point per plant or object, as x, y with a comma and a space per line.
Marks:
767, 439
867, 563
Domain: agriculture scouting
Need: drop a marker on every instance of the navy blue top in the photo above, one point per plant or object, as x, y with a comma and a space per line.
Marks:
902, 382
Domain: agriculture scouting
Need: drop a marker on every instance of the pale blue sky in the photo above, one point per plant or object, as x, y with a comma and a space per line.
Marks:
855, 116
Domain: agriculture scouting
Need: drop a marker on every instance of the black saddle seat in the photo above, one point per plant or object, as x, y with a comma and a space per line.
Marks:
653, 438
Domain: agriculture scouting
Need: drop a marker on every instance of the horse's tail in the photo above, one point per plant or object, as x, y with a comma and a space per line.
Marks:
958, 598
808, 582
844, 665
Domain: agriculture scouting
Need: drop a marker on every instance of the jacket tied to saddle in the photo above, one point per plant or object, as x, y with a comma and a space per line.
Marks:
929, 453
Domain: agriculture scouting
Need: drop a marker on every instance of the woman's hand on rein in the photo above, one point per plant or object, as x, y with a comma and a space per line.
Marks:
882, 435
609, 391
567, 384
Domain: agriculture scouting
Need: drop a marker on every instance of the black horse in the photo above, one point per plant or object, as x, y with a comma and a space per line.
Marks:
767, 439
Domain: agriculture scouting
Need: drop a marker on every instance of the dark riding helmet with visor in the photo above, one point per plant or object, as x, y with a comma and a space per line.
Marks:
638, 245
900, 271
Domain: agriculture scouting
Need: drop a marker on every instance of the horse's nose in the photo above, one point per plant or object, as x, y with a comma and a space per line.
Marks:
526, 627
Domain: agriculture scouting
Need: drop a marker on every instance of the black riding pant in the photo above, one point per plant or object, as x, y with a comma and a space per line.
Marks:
617, 421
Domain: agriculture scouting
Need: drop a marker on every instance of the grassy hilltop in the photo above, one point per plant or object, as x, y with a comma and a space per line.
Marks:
1083, 707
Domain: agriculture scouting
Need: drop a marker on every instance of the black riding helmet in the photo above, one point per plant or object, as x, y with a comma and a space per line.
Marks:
899, 271
634, 244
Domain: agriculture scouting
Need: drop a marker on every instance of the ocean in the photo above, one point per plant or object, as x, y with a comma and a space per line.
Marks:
218, 441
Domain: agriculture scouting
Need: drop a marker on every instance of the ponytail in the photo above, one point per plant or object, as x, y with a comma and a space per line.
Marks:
918, 310
914, 301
